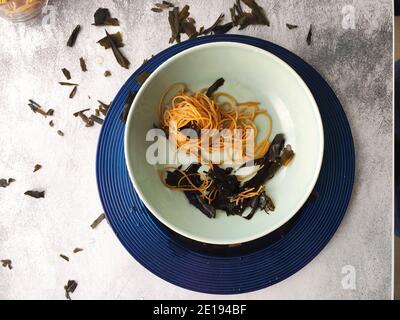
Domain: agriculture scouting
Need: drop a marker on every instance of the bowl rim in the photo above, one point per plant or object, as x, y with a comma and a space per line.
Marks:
313, 105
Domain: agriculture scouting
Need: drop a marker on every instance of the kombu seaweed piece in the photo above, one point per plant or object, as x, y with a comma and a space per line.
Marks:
107, 73
291, 26
68, 83
73, 92
157, 10
60, 133
66, 73
64, 257
309, 36
195, 199
222, 29
173, 19
117, 53
141, 78
81, 114
127, 106
35, 194
77, 250
102, 17
74, 35
287, 155
37, 108
82, 63
37, 167
258, 12
189, 28
69, 288
4, 183
169, 4
103, 108
214, 25
6, 263
184, 13
118, 40
51, 123
98, 221
96, 119
215, 86
257, 16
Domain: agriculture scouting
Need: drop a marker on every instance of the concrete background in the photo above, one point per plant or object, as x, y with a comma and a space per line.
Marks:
356, 62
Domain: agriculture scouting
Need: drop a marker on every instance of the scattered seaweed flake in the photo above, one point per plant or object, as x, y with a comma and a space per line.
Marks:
291, 26
69, 288
51, 123
141, 78
168, 4
60, 133
107, 73
64, 257
99, 220
82, 62
127, 106
102, 17
68, 84
37, 108
309, 36
74, 35
215, 86
73, 92
66, 73
37, 167
77, 250
117, 38
124, 62
164, 6
35, 194
4, 183
157, 10
222, 29
81, 114
96, 119
214, 25
174, 23
6, 263
258, 13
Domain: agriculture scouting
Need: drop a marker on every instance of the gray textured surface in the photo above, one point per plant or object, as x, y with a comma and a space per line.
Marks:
357, 63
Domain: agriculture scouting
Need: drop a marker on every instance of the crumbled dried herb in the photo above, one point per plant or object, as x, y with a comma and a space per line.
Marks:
141, 78
99, 220
96, 119
309, 36
37, 167
60, 133
291, 26
35, 194
82, 63
127, 106
117, 38
6, 263
36, 108
81, 114
69, 288
64, 257
77, 250
102, 17
117, 53
73, 92
107, 73
4, 183
74, 35
66, 73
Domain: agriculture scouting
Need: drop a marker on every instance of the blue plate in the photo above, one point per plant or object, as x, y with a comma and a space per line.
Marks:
247, 267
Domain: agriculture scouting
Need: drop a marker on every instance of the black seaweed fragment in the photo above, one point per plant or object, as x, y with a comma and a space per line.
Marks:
4, 183
309, 36
35, 194
215, 86
74, 35
127, 106
98, 221
117, 53
70, 287
102, 17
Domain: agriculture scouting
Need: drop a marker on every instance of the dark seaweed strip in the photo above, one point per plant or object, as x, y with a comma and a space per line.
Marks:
64, 257
157, 10
215, 86
102, 17
77, 250
35, 194
81, 114
96, 119
168, 4
68, 84
184, 13
74, 35
51, 123
73, 92
76, 114
291, 26
141, 78
107, 73
117, 53
70, 287
66, 73
258, 12
36, 108
173, 19
222, 29
98, 221
215, 24
189, 29
6, 263
309, 36
4, 183
117, 37
127, 106
82, 63
37, 167
60, 133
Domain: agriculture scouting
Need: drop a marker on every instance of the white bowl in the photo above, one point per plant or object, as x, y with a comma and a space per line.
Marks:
251, 74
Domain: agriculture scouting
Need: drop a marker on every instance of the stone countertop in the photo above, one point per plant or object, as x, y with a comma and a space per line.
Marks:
357, 62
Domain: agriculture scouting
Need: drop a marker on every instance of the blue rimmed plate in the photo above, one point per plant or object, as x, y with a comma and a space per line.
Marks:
251, 266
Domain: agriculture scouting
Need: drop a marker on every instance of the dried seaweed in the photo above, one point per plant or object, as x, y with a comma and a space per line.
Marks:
66, 73
291, 26
6, 263
214, 25
102, 17
77, 250
117, 53
36, 108
99, 220
309, 36
173, 19
81, 114
74, 35
215, 86
222, 29
107, 73
82, 63
69, 288
51, 123
73, 92
157, 10
118, 40
37, 167
96, 119
127, 106
68, 84
141, 78
4, 183
35, 194
60, 133
64, 257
